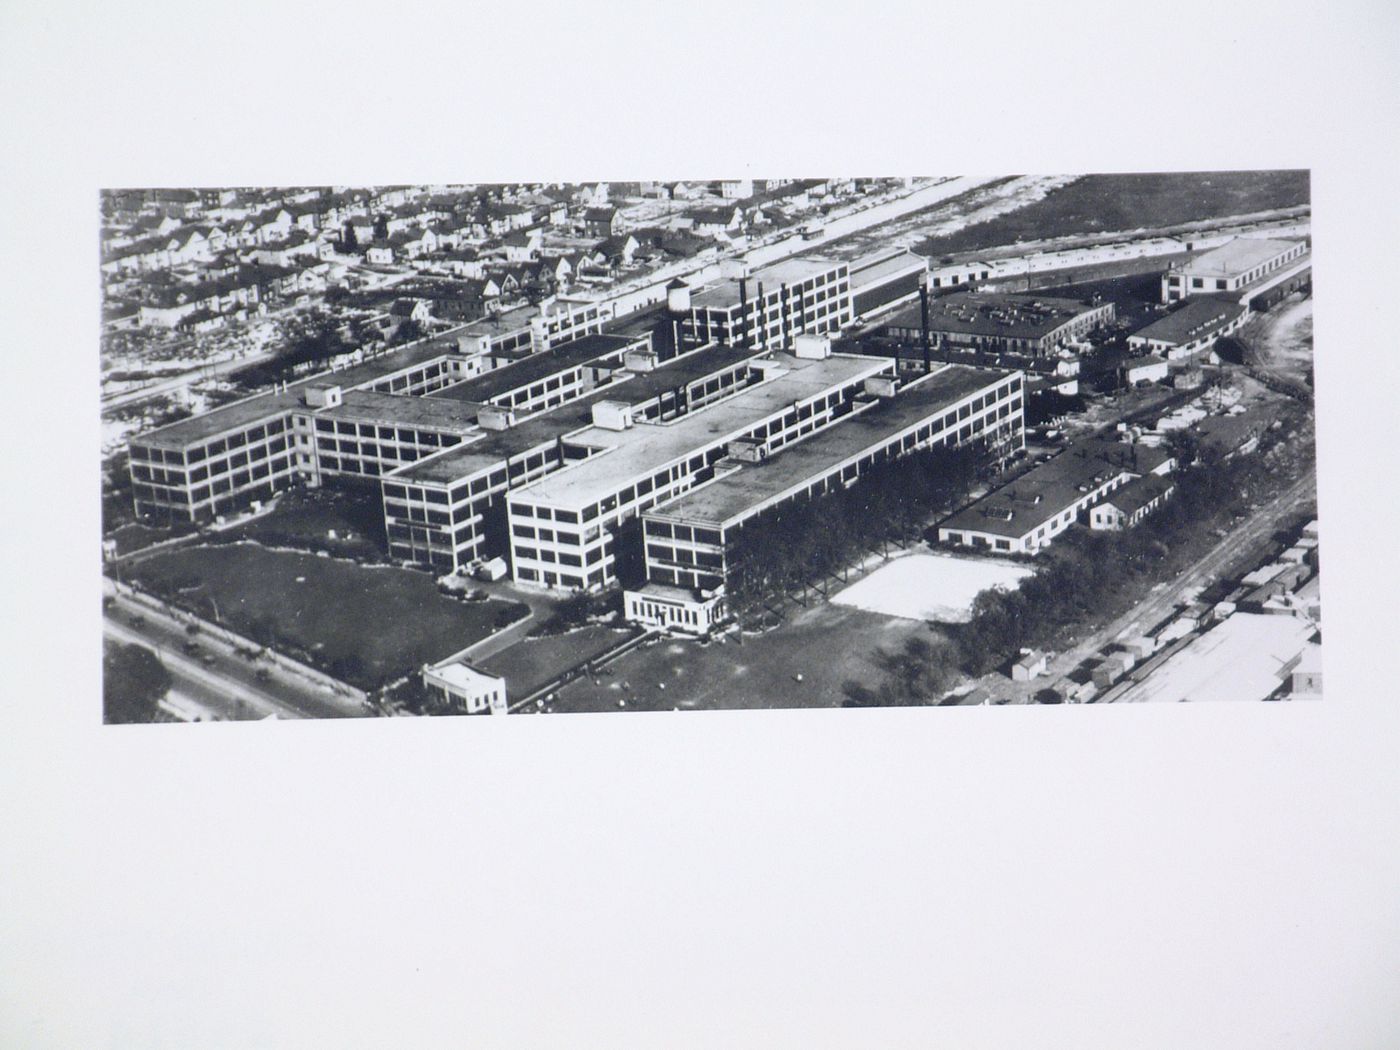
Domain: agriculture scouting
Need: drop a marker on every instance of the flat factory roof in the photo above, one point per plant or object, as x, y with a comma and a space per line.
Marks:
1200, 315
793, 468
370, 406
1237, 256
648, 447
989, 314
245, 413
1240, 658
495, 446
531, 368
1023, 505
788, 271
884, 268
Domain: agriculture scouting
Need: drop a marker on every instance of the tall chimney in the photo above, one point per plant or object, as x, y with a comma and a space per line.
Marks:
783, 314
923, 320
762, 318
744, 313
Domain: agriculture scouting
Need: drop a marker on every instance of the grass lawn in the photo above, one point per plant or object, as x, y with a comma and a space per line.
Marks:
826, 645
305, 518
532, 662
1105, 203
365, 625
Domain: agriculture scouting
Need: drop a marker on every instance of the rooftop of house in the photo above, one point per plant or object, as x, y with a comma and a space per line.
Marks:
624, 456
755, 485
1198, 316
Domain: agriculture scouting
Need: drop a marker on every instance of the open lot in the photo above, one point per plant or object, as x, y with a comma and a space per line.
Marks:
826, 644
939, 587
365, 625
1124, 202
1282, 338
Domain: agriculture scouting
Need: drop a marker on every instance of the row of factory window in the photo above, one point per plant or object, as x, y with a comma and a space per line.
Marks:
402, 435
430, 377
545, 554
684, 578
218, 446
684, 556
419, 534
684, 533
571, 580
226, 464
225, 484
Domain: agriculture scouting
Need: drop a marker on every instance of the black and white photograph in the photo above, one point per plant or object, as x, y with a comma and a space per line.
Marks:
741, 526
791, 442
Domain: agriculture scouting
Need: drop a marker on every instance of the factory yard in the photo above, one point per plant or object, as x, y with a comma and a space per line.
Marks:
938, 587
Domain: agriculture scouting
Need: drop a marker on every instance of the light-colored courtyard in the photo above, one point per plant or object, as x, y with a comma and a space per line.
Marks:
938, 587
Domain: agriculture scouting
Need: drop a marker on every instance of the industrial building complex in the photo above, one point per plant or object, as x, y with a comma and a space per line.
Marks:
550, 451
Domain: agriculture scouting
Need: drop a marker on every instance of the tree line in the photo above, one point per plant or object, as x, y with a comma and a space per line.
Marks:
1082, 576
790, 546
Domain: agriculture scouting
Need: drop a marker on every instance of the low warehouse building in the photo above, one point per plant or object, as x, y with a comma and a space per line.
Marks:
1026, 514
1131, 503
1026, 324
1191, 330
1231, 268
465, 687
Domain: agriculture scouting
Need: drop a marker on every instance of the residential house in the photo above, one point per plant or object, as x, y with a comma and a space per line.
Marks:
707, 222
380, 253
618, 250
411, 310
602, 222
301, 245
523, 245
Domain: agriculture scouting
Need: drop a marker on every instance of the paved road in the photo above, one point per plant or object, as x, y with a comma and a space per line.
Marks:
227, 675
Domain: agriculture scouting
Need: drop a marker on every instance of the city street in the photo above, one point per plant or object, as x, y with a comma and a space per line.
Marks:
222, 680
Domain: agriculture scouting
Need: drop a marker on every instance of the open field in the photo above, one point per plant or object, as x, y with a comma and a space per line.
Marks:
533, 662
1105, 203
826, 644
938, 587
362, 625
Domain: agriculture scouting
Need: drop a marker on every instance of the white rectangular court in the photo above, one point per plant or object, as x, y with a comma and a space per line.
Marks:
939, 587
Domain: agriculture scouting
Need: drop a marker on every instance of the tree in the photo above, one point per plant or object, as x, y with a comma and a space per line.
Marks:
134, 681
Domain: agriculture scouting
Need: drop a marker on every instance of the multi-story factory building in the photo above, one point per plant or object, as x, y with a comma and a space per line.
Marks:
446, 511
692, 544
565, 528
771, 305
